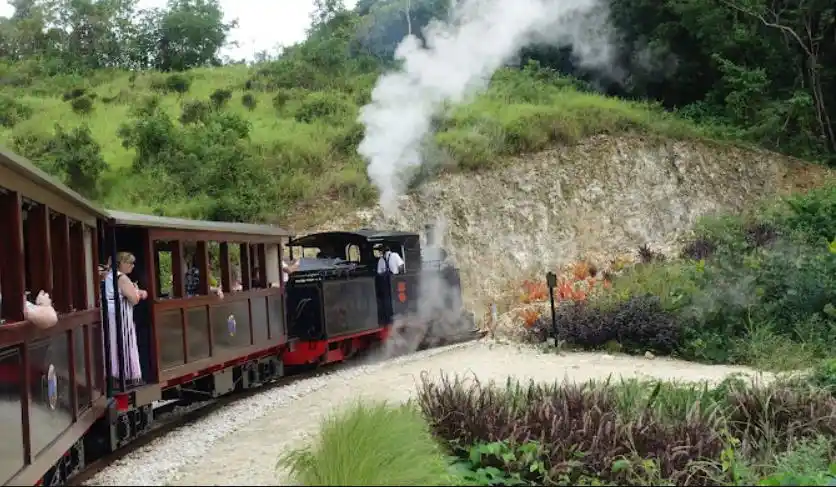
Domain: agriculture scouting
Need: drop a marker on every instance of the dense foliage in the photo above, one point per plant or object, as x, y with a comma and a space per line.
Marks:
630, 432
180, 136
756, 289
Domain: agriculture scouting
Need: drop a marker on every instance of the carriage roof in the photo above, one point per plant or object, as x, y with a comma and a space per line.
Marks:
364, 235
153, 221
29, 172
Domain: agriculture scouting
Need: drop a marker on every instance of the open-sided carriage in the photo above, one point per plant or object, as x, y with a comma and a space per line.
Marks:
219, 316
51, 380
337, 294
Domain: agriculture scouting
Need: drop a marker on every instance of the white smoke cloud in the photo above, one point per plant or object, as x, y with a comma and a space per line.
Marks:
461, 55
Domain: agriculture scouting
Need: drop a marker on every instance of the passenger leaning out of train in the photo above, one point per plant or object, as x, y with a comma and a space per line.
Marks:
129, 295
41, 313
389, 262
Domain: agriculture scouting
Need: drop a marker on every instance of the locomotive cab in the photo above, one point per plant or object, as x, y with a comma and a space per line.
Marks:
336, 290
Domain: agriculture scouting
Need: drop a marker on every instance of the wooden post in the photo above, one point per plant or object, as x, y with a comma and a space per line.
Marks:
202, 262
246, 280
178, 270
12, 272
60, 242
153, 291
40, 257
226, 269
79, 292
261, 250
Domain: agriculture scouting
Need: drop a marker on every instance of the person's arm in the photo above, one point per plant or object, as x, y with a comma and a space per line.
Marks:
399, 262
217, 291
129, 290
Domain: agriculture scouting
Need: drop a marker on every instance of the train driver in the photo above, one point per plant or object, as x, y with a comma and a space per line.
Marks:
389, 262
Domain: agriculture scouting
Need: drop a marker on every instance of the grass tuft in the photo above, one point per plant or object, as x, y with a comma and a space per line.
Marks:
370, 444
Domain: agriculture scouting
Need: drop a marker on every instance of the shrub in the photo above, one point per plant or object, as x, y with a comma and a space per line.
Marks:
249, 101
281, 98
534, 291
578, 427
74, 93
82, 104
813, 213
647, 255
823, 375
699, 249
323, 106
178, 83
638, 324
13, 112
760, 235
220, 97
371, 445
194, 111
632, 432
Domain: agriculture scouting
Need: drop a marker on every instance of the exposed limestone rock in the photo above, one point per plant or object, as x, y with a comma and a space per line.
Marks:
595, 200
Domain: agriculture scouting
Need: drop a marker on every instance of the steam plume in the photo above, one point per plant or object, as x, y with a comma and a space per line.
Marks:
461, 55
439, 315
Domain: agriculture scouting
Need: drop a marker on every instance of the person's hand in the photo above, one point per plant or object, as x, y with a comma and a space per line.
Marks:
143, 294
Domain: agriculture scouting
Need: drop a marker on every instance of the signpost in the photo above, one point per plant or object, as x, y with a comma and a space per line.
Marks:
551, 281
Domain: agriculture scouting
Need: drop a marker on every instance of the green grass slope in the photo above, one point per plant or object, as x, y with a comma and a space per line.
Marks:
298, 144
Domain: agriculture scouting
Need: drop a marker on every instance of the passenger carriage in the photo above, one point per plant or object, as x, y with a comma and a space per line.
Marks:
51, 380
196, 347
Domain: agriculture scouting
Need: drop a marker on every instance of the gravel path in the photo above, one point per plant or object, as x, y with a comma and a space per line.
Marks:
255, 430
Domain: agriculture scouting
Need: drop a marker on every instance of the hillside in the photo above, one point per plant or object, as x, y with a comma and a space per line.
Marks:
134, 108
306, 139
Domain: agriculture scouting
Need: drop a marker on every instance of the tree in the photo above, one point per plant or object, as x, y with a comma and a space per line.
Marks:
811, 28
191, 33
78, 156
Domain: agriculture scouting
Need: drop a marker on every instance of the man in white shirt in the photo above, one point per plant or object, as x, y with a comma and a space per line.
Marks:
389, 261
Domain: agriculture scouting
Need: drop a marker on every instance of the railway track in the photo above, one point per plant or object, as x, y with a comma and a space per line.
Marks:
167, 419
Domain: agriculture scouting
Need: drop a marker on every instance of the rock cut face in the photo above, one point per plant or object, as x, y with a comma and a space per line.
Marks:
596, 200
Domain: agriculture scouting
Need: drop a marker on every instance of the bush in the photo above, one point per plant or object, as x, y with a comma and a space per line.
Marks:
74, 93
699, 248
249, 101
324, 106
194, 111
636, 325
813, 214
220, 97
281, 98
178, 83
631, 433
78, 156
13, 112
82, 105
578, 427
371, 445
